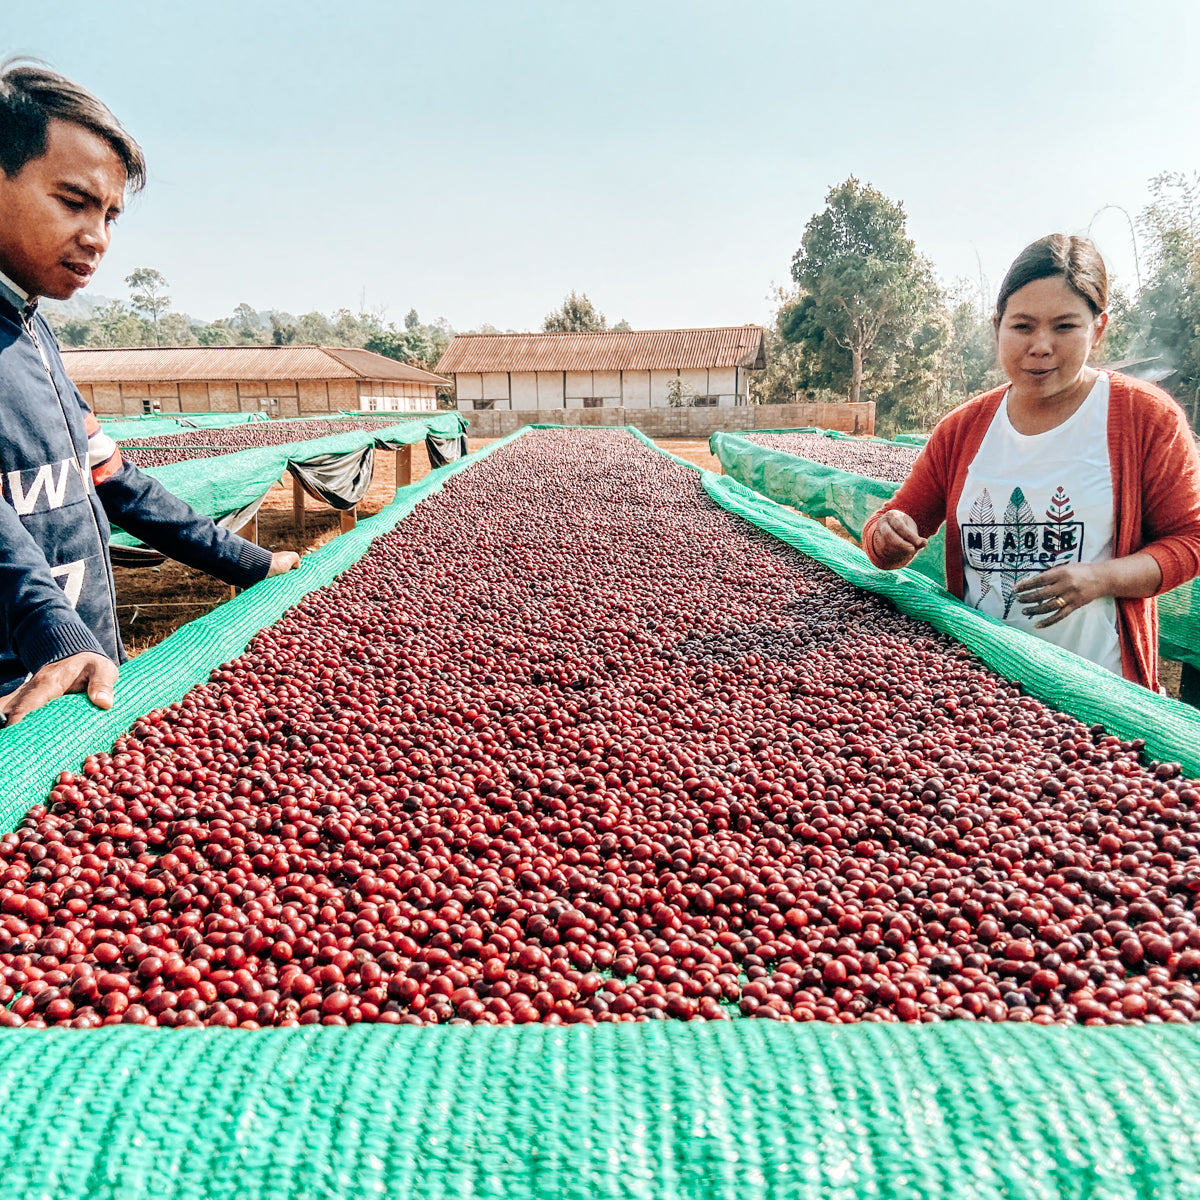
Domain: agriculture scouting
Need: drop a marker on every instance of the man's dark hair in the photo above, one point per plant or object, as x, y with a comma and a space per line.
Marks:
1074, 258
31, 96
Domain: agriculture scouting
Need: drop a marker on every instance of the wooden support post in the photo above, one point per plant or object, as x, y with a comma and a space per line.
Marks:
403, 466
298, 505
349, 519
250, 530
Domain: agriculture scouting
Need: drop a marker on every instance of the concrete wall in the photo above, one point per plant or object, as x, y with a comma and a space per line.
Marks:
846, 418
680, 422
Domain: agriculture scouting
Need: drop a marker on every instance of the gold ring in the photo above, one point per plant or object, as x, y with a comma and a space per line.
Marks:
1060, 602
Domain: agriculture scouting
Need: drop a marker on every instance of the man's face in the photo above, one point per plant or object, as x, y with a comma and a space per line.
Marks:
57, 212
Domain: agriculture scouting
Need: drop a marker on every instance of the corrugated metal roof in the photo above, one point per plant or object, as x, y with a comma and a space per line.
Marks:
636, 350
178, 364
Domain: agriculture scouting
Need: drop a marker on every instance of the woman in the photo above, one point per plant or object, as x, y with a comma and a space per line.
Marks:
1071, 496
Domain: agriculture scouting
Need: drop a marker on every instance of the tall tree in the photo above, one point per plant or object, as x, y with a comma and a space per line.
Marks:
113, 324
148, 296
577, 314
1169, 304
861, 274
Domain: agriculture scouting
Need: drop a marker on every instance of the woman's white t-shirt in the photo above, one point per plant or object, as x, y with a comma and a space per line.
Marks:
1035, 501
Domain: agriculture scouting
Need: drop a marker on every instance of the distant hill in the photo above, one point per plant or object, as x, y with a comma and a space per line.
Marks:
78, 308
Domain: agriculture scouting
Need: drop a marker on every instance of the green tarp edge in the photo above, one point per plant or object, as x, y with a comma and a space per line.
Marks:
161, 426
72, 728
823, 491
655, 1111
228, 482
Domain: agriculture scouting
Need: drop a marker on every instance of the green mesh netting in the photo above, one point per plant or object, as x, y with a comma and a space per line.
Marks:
822, 491
655, 1111
154, 425
638, 1112
229, 482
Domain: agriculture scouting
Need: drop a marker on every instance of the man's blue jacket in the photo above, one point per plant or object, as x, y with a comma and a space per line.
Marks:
61, 479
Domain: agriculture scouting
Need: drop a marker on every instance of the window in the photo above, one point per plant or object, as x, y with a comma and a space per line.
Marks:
593, 402
706, 401
482, 405
151, 404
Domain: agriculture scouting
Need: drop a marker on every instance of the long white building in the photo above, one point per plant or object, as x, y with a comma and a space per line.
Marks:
632, 369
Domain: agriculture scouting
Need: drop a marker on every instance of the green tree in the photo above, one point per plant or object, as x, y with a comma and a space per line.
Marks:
622, 326
314, 329
861, 275
577, 314
284, 330
148, 296
175, 329
75, 333
680, 394
113, 324
247, 325
1168, 306
218, 333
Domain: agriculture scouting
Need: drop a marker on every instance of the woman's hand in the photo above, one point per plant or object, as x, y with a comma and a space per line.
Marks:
1057, 593
1060, 591
896, 539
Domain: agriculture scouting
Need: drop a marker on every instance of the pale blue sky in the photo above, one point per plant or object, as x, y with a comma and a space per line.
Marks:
477, 161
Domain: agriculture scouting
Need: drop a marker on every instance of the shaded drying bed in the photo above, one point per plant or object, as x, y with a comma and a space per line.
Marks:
165, 449
861, 456
574, 744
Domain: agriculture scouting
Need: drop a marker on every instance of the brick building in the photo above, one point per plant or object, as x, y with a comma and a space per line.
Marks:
284, 381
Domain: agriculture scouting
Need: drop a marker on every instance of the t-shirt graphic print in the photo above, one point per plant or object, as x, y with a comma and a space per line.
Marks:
1006, 550
1031, 502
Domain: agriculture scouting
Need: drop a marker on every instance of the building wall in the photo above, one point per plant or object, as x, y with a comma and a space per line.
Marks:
389, 396
527, 392
279, 398
524, 389
550, 389
682, 422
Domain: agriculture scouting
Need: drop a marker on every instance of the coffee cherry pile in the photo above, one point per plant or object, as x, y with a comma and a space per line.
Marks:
575, 745
210, 443
878, 460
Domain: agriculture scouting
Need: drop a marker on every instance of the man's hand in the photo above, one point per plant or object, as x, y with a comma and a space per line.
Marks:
896, 539
91, 673
283, 560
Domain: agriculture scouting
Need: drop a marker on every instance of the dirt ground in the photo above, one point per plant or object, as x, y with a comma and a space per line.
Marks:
153, 602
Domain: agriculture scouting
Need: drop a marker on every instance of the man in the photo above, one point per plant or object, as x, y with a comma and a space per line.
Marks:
65, 165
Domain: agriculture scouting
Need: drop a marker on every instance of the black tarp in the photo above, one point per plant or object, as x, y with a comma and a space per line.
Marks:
445, 450
339, 480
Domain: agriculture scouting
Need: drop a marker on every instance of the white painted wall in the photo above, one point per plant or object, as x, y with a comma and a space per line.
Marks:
524, 390
469, 387
720, 381
579, 383
698, 379
608, 385
550, 389
636, 386
495, 386
659, 380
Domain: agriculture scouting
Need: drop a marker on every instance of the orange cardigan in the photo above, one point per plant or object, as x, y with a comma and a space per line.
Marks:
1156, 493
